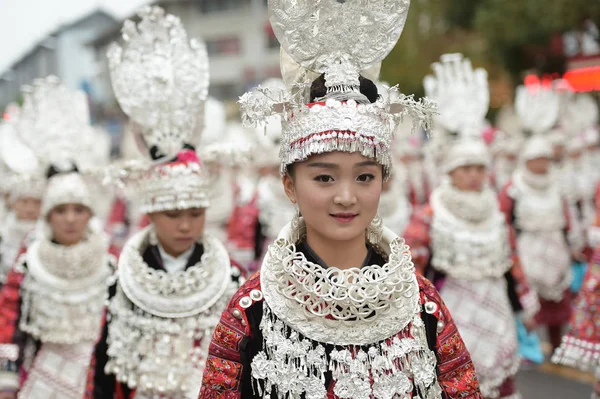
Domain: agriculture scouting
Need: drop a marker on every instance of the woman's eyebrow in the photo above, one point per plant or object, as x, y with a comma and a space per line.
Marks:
365, 163
323, 165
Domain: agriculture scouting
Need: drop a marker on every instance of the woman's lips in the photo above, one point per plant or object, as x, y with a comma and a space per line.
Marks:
344, 217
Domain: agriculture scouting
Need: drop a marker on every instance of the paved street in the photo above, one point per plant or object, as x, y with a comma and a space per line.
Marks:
554, 383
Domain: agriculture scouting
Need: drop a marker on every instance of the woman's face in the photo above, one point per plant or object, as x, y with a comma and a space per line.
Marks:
69, 222
469, 177
27, 208
337, 193
178, 230
538, 166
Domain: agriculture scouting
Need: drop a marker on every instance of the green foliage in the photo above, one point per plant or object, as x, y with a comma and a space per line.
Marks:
501, 35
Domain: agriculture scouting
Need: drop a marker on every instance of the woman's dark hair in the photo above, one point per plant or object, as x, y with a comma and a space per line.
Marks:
155, 153
367, 87
54, 170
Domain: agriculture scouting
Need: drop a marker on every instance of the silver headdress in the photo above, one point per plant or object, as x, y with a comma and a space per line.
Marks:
48, 131
463, 97
160, 79
538, 109
340, 40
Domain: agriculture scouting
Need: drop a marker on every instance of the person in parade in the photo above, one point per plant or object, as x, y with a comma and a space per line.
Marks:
23, 199
460, 240
535, 207
52, 302
336, 309
174, 279
581, 176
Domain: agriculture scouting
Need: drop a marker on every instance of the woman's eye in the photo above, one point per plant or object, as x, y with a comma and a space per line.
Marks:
171, 215
366, 177
324, 179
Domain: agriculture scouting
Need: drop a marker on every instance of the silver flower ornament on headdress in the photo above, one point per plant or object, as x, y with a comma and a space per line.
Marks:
338, 40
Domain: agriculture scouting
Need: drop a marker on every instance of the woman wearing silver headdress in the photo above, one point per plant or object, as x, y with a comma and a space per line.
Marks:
23, 191
174, 279
580, 174
460, 240
53, 300
337, 309
537, 210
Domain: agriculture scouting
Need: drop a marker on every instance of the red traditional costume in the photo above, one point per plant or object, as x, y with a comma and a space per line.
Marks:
163, 308
53, 301
460, 240
302, 328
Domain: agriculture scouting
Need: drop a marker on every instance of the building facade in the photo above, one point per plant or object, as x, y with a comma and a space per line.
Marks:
64, 53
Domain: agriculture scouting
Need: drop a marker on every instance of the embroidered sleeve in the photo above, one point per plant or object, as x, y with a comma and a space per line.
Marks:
507, 203
223, 372
457, 375
10, 312
418, 239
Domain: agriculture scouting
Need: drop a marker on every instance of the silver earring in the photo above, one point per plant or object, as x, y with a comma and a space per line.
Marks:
375, 230
152, 238
298, 227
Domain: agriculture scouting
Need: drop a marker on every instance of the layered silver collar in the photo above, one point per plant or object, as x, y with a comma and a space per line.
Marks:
524, 176
466, 250
470, 206
343, 307
159, 345
64, 290
179, 294
371, 315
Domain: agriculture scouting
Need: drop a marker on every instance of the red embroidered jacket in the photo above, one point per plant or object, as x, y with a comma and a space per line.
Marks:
227, 374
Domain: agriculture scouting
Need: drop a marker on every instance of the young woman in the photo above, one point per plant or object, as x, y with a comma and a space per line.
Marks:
174, 280
336, 309
24, 198
536, 210
461, 242
53, 300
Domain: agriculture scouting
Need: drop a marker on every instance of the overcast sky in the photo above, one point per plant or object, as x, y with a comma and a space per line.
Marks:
24, 22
